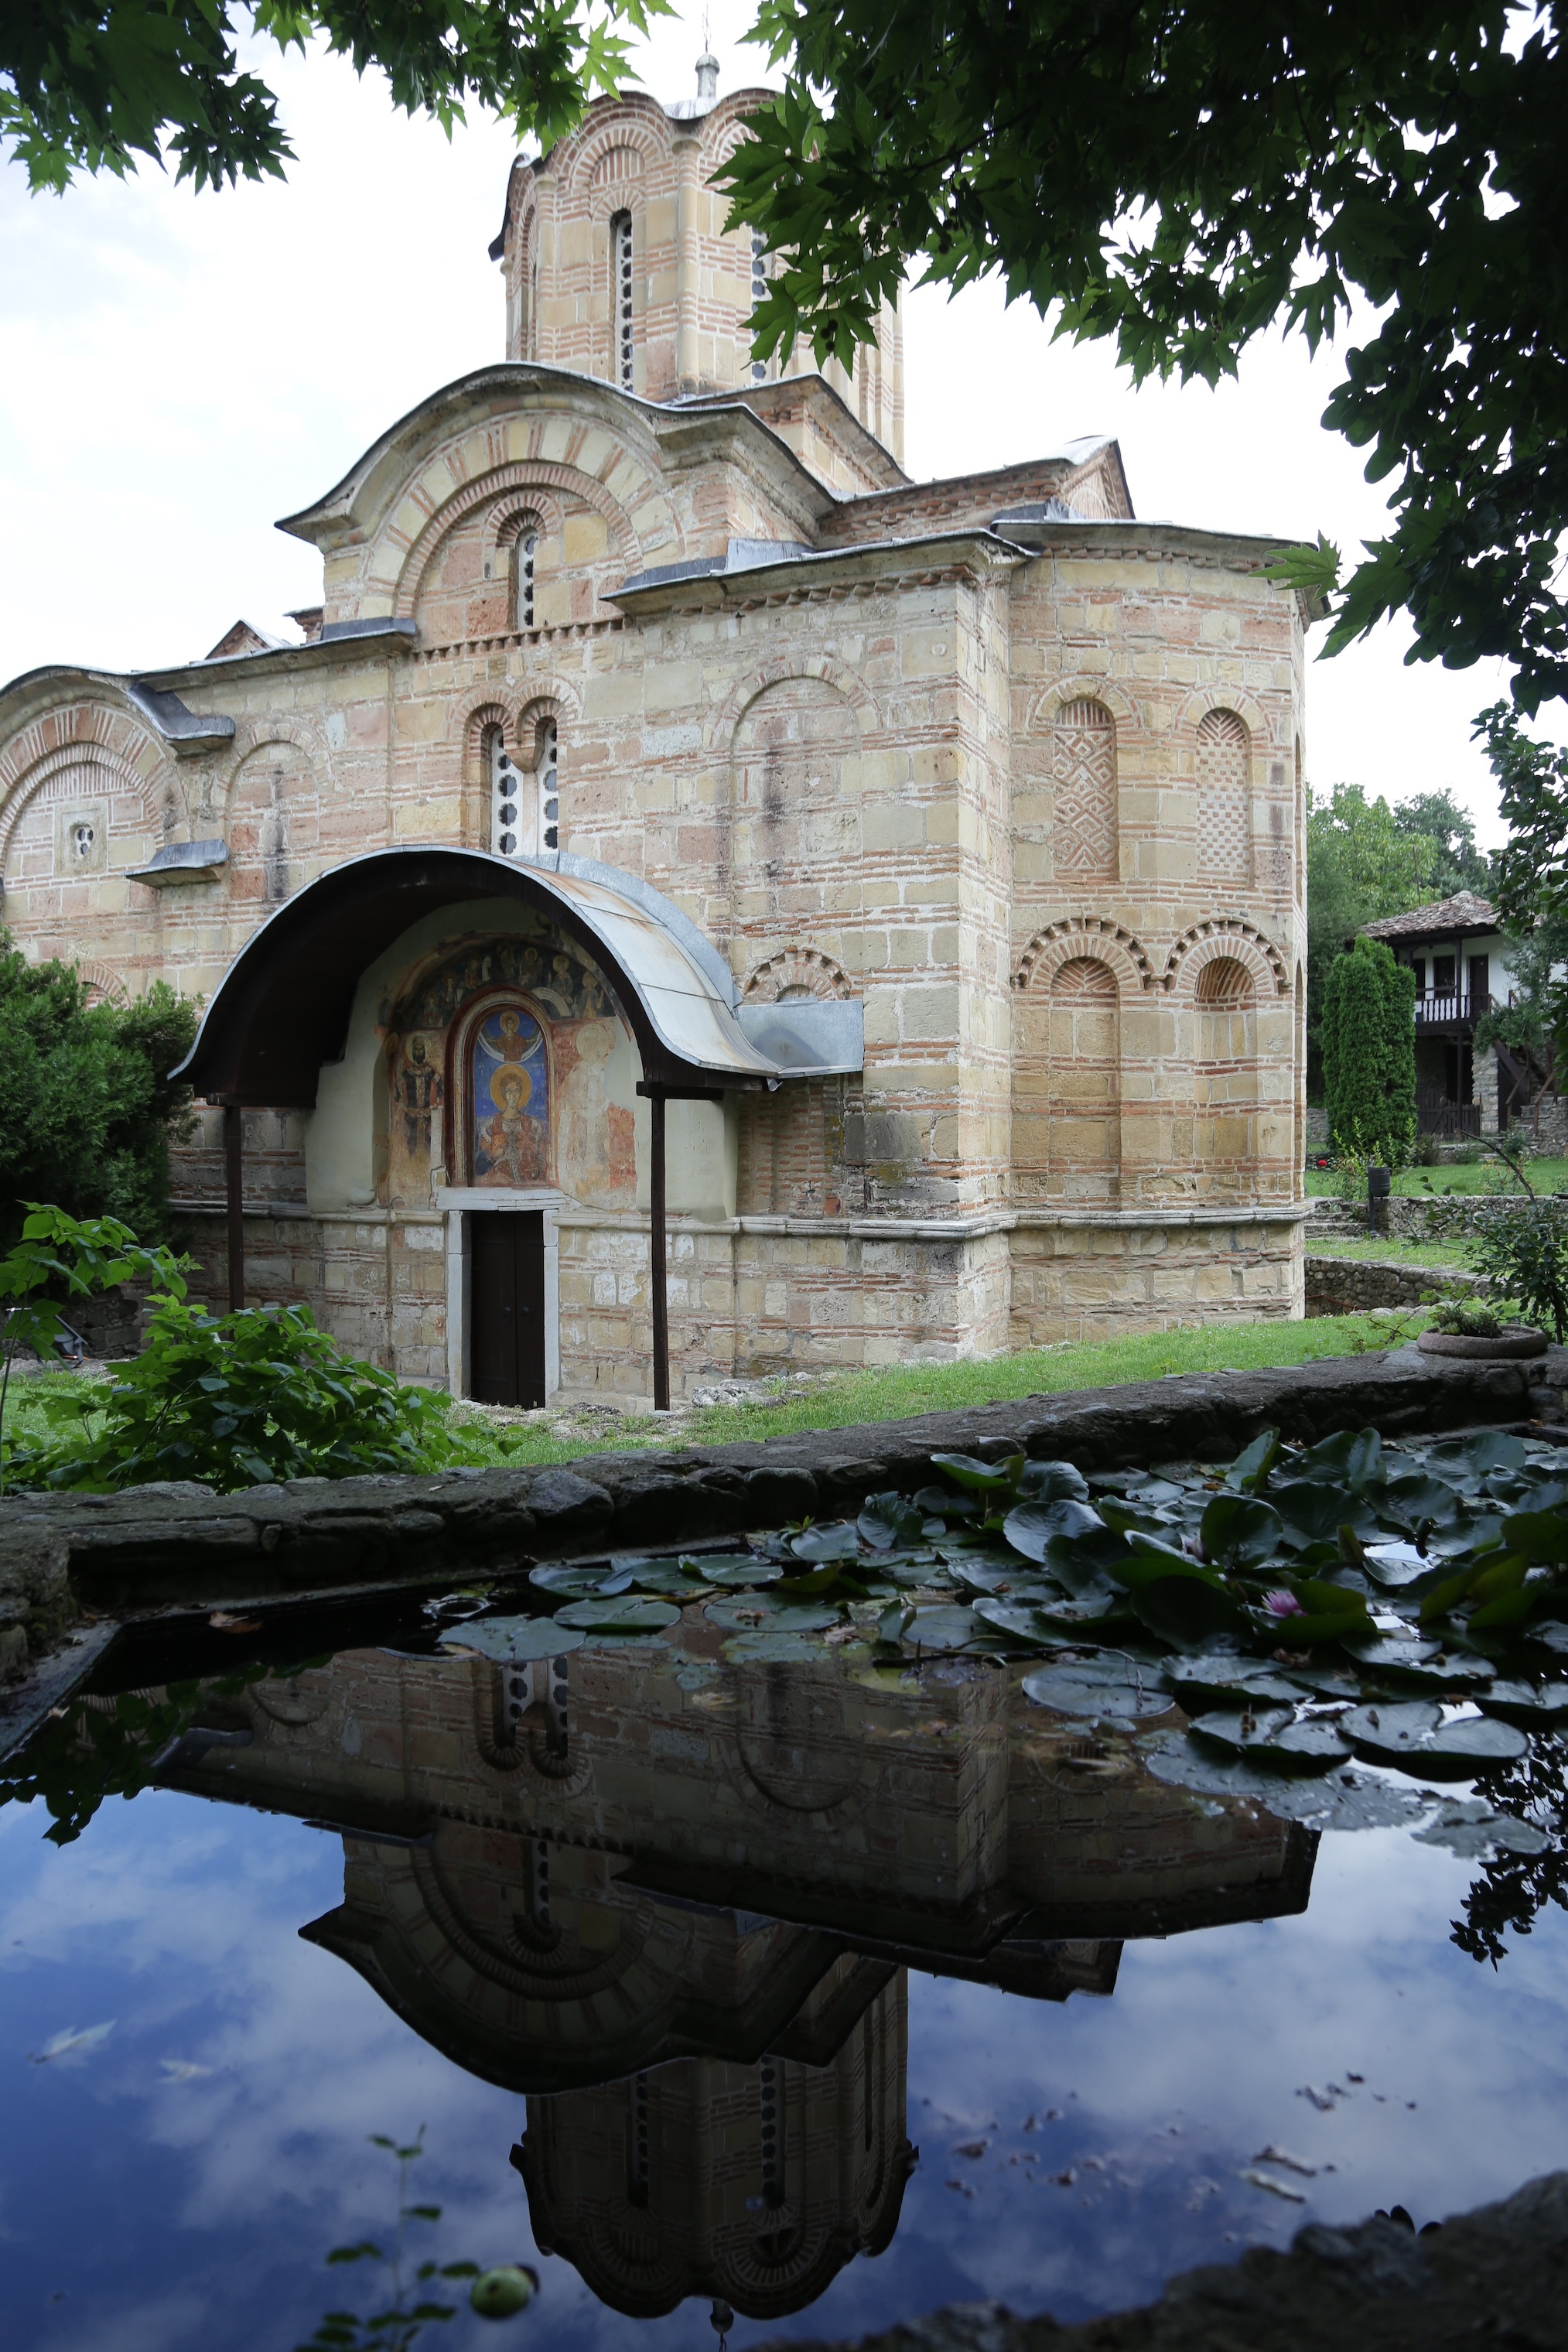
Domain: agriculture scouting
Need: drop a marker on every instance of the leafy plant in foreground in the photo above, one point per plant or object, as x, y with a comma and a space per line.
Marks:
78, 1256
230, 1400
494, 2294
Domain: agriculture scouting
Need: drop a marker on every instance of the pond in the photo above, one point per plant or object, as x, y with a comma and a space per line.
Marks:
751, 1980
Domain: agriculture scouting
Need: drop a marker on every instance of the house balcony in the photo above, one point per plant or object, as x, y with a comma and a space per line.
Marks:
1452, 1015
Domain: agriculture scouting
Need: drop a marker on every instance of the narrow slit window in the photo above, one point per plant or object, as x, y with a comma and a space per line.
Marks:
548, 779
758, 289
621, 270
525, 550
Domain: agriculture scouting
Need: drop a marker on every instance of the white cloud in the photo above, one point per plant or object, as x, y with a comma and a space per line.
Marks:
180, 370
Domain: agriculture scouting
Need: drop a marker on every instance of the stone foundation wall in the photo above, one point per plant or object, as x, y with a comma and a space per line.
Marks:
1353, 1286
756, 1296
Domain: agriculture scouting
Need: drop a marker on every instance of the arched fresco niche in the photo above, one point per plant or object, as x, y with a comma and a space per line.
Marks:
1226, 1091
795, 814
507, 1068
274, 831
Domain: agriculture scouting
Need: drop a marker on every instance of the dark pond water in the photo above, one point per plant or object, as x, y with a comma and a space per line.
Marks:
820, 1992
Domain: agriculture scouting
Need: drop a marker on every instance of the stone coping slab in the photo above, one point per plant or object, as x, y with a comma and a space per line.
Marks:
181, 1545
1497, 2276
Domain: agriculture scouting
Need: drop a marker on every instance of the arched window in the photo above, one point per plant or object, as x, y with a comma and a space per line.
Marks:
525, 803
523, 556
1224, 830
547, 783
758, 289
620, 297
1084, 772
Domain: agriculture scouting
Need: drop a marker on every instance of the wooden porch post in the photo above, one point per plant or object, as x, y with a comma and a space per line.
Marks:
233, 1188
657, 1247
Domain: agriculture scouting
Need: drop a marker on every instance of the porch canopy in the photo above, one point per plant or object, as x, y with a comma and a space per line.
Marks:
283, 1007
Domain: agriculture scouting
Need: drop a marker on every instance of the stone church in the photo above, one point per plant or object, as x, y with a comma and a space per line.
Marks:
693, 901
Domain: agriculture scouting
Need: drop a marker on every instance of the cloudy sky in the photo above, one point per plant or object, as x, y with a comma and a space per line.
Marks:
180, 370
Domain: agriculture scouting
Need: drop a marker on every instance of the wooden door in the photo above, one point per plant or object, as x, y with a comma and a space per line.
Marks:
507, 1307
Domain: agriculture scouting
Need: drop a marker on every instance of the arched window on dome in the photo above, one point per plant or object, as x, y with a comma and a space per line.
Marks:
526, 535
621, 288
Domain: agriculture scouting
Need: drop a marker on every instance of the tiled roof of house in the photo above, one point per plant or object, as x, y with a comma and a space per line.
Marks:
1464, 912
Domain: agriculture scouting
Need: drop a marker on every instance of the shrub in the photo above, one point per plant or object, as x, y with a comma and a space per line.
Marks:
1521, 1247
1468, 1319
1369, 1053
1429, 1152
87, 1105
231, 1399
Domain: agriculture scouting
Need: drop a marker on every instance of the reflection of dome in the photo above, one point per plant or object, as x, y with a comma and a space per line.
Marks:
753, 2184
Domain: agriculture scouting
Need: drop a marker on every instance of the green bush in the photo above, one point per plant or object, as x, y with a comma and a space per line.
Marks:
231, 1399
86, 1103
1521, 1247
1369, 1053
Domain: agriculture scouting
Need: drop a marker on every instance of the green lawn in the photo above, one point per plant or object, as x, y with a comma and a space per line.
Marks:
887, 1395
1484, 1176
1455, 1255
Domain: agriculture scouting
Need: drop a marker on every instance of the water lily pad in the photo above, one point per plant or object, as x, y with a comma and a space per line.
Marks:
999, 1573
1348, 1459
939, 1629
1488, 1449
1227, 1680
821, 1545
1236, 1730
1476, 1744
981, 1477
1313, 1745
1339, 1800
1391, 1732
1425, 1662
1188, 1611
1104, 1688
630, 1613
1052, 1481
732, 1568
1033, 1527
742, 1612
1020, 1620
1394, 1564
1519, 1702
1240, 1532
577, 1583
671, 1577
512, 1640
887, 1521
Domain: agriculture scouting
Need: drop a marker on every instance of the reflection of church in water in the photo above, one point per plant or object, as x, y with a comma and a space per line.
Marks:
673, 1901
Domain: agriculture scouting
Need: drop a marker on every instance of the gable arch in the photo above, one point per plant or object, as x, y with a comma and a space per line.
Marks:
501, 703
508, 487
637, 122
728, 719
1091, 939
1204, 700
1086, 687
1226, 935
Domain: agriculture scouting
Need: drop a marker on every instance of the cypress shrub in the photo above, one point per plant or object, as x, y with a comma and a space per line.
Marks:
1369, 1053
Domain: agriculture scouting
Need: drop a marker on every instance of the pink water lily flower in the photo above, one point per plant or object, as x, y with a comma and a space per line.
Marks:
1283, 1605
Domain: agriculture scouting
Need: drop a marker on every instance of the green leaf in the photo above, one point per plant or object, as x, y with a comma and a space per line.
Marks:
981, 1477
1240, 1532
1189, 1613
1032, 1528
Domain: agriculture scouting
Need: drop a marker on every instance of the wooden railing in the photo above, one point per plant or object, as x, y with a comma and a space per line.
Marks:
1433, 1010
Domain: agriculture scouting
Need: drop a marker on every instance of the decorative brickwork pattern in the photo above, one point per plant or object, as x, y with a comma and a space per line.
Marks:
1224, 831
1085, 771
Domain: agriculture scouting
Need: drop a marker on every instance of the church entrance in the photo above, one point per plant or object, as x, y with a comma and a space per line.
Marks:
507, 1307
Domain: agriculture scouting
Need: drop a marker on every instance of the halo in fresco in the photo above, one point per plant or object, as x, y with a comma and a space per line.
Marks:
508, 1099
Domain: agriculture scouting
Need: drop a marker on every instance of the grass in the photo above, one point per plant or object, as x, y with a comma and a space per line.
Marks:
897, 1393
890, 1395
1455, 1255
1483, 1176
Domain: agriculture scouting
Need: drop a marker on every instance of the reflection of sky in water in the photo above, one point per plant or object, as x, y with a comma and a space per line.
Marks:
195, 2213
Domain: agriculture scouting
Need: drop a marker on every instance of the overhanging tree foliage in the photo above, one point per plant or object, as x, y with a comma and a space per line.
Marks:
1369, 1052
1178, 177
88, 85
86, 1101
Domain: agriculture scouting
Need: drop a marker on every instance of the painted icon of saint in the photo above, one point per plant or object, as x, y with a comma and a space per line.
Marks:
510, 1084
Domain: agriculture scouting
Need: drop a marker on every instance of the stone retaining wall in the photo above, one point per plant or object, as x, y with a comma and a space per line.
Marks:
181, 1545
1355, 1285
